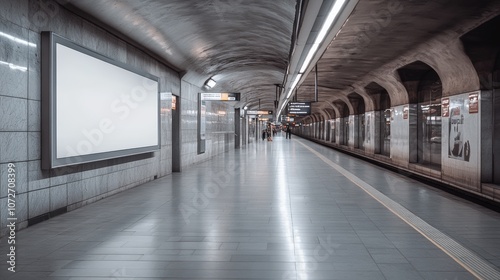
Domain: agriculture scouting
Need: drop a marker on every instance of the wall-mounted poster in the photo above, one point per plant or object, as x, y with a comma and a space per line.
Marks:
406, 109
94, 108
458, 144
445, 107
473, 103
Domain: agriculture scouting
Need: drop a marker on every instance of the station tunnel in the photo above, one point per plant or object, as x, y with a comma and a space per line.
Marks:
287, 139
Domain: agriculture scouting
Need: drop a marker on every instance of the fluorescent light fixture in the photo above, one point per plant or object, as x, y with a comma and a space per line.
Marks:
282, 107
332, 15
329, 20
17, 40
297, 78
295, 82
312, 52
210, 83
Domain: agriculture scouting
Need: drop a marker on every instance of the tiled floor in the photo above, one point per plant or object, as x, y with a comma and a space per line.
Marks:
271, 211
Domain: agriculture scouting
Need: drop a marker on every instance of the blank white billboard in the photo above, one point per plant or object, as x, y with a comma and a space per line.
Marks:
94, 108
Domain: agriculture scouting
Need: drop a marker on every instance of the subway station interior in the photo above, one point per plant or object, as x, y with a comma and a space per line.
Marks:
249, 139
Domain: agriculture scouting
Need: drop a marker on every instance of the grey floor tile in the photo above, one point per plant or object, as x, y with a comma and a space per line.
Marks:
400, 271
288, 217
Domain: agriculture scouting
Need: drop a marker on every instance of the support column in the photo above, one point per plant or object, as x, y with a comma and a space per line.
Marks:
353, 131
400, 134
244, 131
237, 128
370, 132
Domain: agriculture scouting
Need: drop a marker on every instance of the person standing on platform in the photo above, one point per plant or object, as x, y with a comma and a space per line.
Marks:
288, 132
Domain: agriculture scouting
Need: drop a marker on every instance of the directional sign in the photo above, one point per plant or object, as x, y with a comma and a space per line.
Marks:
250, 112
220, 96
299, 108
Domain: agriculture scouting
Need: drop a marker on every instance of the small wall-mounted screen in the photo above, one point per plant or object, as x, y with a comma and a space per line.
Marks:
93, 107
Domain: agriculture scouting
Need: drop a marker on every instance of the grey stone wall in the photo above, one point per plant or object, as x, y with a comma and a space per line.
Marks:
219, 126
39, 192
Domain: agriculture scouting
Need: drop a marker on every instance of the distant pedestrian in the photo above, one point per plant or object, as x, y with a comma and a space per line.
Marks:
269, 133
288, 132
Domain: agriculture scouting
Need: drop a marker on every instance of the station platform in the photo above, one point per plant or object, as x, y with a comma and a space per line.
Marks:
286, 209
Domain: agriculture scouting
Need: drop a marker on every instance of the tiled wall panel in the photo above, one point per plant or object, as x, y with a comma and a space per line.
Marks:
219, 126
40, 191
461, 143
400, 128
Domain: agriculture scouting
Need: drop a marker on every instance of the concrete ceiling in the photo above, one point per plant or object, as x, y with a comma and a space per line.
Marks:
380, 31
246, 45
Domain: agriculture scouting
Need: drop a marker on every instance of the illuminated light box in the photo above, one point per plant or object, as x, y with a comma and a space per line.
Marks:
93, 107
260, 112
220, 96
299, 108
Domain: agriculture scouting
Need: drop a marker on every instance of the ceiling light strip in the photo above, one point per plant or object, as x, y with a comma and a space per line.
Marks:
330, 19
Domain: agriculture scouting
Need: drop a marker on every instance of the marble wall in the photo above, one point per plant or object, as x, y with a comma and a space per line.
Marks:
339, 125
400, 129
40, 192
219, 126
370, 132
461, 142
354, 131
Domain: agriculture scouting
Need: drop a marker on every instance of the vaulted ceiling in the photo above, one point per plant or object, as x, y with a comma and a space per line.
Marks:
248, 46
380, 31
244, 45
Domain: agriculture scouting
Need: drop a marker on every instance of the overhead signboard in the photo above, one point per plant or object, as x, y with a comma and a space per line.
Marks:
261, 112
220, 96
299, 108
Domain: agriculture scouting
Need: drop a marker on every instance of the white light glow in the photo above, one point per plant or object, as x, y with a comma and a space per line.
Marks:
13, 66
330, 19
295, 82
17, 40
332, 15
309, 57
211, 83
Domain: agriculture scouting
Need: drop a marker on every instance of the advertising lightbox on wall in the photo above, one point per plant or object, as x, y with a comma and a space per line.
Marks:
220, 96
93, 107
